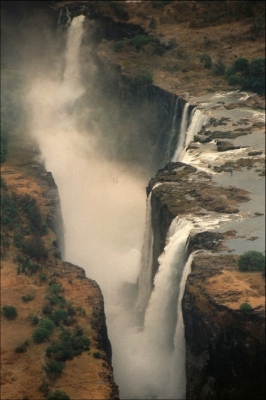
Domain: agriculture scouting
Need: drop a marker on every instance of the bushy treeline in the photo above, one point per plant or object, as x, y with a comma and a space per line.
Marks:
250, 75
139, 41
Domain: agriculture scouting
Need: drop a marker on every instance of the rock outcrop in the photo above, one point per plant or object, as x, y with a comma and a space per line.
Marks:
225, 347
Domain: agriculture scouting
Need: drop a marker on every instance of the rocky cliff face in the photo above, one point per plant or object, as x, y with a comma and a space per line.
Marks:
225, 348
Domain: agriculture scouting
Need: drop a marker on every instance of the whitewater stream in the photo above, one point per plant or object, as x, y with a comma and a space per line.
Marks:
103, 207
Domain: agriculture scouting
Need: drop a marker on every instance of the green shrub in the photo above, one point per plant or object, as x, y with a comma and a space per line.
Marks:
96, 354
32, 211
57, 300
249, 76
119, 10
71, 310
3, 183
257, 67
158, 3
9, 312
35, 248
251, 261
60, 351
219, 68
18, 239
171, 44
54, 288
58, 395
153, 23
206, 60
22, 348
29, 268
9, 210
58, 316
241, 65
142, 80
54, 368
34, 320
47, 309
27, 297
44, 388
65, 336
46, 324
245, 308
42, 277
40, 334
118, 46
141, 40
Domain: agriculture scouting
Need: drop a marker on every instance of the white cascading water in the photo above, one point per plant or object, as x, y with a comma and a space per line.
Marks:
144, 279
172, 133
182, 134
198, 120
155, 350
104, 219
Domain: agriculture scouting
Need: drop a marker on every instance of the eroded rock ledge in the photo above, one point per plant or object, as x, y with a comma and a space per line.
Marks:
181, 190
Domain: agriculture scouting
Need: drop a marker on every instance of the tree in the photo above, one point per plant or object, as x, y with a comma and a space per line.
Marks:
60, 351
54, 368
249, 76
241, 65
251, 261
9, 312
245, 308
40, 334
46, 324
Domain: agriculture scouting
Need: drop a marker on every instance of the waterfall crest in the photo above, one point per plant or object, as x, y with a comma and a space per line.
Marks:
198, 120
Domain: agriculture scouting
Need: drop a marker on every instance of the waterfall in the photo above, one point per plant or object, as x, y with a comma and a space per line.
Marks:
172, 133
178, 370
160, 345
145, 280
104, 222
198, 120
71, 88
182, 134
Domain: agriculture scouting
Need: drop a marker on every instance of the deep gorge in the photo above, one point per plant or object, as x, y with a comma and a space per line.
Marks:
109, 145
